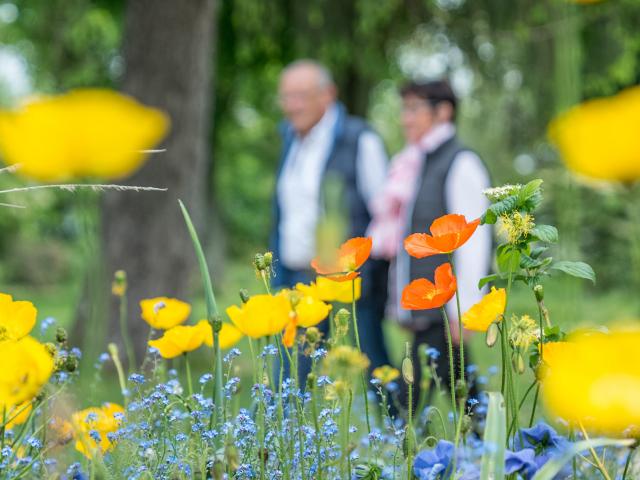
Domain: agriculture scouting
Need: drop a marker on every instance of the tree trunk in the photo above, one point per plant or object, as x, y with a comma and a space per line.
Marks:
168, 55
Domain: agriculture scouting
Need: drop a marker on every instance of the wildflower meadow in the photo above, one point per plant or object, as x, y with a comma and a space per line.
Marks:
340, 421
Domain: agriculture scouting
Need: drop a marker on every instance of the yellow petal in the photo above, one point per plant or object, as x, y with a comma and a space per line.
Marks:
262, 315
330, 291
103, 420
486, 311
83, 133
26, 367
311, 311
17, 319
599, 138
163, 313
179, 340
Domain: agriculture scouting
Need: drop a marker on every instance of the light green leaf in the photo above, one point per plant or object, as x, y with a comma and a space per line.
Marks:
495, 438
545, 233
576, 269
529, 190
553, 466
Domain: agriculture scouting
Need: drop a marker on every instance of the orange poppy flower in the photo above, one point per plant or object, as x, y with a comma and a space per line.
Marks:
448, 233
421, 294
347, 260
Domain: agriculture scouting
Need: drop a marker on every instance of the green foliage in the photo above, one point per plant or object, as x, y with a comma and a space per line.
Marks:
495, 439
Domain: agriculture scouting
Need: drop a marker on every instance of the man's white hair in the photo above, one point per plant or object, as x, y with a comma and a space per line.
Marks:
325, 79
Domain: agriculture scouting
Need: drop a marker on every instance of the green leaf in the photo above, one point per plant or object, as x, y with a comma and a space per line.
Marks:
537, 251
545, 233
489, 278
576, 269
529, 190
495, 438
508, 258
553, 466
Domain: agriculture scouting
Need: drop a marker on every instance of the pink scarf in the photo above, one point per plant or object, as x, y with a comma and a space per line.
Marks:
389, 207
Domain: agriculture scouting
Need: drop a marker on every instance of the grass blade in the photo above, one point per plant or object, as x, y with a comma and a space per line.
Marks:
495, 438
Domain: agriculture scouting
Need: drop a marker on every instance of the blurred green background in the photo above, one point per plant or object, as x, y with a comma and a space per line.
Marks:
514, 64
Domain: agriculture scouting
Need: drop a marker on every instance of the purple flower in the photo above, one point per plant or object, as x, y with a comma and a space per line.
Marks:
431, 463
522, 462
545, 442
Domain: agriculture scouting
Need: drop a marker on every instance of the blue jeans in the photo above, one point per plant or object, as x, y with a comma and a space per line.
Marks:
370, 312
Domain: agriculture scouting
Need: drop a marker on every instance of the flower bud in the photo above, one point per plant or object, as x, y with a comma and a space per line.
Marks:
61, 335
518, 363
538, 290
216, 323
311, 381
341, 320
119, 284
367, 471
259, 262
461, 389
492, 334
268, 259
313, 335
407, 371
467, 424
244, 295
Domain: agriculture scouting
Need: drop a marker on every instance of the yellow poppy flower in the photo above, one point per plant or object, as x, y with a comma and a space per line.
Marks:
16, 318
327, 290
262, 315
486, 311
310, 311
386, 374
595, 381
228, 336
18, 414
182, 339
599, 138
550, 351
84, 133
26, 367
101, 420
163, 313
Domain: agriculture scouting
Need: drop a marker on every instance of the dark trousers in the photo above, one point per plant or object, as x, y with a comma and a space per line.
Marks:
370, 311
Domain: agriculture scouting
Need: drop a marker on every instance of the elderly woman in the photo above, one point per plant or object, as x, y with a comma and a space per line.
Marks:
433, 175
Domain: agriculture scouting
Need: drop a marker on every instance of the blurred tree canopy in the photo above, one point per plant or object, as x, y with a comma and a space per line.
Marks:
514, 66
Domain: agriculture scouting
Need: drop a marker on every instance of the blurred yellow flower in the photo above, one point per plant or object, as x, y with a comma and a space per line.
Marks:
182, 339
94, 421
163, 313
599, 138
329, 291
551, 351
595, 381
16, 318
345, 362
386, 374
228, 336
84, 133
18, 414
486, 311
26, 368
262, 315
310, 311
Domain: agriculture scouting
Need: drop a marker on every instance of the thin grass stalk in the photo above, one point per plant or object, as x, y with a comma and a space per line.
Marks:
357, 337
452, 373
212, 313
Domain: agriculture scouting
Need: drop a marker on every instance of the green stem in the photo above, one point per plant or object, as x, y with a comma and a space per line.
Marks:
409, 432
124, 333
535, 404
452, 387
188, 368
596, 459
627, 463
357, 336
212, 312
460, 331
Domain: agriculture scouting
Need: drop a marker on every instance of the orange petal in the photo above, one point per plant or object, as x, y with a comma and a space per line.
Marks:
289, 336
418, 294
356, 250
418, 245
444, 278
451, 223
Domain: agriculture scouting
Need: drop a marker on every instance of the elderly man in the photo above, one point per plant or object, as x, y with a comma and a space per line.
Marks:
320, 141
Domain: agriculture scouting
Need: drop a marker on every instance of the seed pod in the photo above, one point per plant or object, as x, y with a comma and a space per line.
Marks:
61, 335
492, 334
244, 295
407, 370
538, 290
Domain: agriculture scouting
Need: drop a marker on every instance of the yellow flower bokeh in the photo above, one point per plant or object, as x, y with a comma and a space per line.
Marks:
26, 368
310, 311
486, 311
595, 380
262, 315
17, 318
163, 313
385, 374
87, 133
329, 291
182, 339
228, 335
103, 420
599, 138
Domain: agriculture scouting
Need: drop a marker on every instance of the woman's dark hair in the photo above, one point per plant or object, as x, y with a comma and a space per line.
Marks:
433, 92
